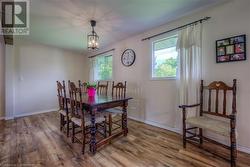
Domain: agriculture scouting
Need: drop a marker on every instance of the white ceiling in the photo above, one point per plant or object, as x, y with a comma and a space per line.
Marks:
65, 23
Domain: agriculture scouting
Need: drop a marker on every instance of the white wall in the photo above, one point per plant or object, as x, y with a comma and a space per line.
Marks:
35, 69
225, 23
155, 101
9, 81
2, 76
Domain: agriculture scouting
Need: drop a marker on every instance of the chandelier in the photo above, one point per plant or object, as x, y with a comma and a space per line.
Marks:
93, 37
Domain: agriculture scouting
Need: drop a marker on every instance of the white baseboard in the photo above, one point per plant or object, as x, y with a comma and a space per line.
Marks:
136, 119
239, 147
176, 130
8, 118
244, 149
29, 114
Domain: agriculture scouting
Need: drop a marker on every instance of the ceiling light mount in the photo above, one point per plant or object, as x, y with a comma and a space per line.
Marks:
92, 23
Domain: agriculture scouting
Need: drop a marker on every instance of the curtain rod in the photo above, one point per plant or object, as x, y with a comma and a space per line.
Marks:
181, 27
101, 53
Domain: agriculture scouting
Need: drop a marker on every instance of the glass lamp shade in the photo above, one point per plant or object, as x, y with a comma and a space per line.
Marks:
93, 40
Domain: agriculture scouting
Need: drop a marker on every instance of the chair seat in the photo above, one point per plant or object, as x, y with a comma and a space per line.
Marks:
63, 112
217, 126
114, 111
78, 121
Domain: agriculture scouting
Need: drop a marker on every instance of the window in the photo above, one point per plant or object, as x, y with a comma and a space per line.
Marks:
164, 58
103, 68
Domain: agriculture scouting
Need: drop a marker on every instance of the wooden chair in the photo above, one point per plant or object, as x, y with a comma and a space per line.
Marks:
84, 87
80, 118
203, 121
102, 89
118, 90
63, 107
71, 85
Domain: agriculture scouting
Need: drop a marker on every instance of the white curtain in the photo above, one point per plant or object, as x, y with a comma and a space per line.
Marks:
189, 66
91, 69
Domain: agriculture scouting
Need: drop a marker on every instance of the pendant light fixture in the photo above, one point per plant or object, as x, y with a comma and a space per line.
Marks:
93, 38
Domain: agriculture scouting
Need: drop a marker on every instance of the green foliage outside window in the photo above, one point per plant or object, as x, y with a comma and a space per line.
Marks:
165, 57
167, 68
103, 67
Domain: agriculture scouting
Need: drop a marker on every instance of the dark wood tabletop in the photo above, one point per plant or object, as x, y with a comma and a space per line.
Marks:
101, 101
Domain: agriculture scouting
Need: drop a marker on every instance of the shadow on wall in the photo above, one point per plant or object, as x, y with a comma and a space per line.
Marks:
136, 107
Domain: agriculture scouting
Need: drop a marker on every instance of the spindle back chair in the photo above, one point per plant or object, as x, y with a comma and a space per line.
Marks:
61, 94
119, 89
80, 118
76, 100
102, 88
215, 122
83, 87
216, 87
63, 106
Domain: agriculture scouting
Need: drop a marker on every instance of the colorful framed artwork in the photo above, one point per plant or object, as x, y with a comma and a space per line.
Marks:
231, 49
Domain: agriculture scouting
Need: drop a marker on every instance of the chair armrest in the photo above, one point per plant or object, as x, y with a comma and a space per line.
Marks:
188, 106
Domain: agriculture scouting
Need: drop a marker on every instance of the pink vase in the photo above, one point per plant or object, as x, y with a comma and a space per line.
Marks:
91, 91
91, 99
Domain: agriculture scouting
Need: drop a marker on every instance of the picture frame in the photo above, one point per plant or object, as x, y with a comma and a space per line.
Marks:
231, 49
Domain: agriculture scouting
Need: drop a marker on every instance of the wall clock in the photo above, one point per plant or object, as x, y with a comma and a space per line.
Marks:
128, 57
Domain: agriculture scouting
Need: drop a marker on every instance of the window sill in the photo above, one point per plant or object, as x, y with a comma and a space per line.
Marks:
162, 78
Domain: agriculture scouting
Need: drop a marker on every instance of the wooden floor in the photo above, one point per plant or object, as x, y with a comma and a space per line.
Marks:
36, 141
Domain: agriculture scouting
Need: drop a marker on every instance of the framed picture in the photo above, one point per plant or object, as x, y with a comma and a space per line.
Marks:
231, 49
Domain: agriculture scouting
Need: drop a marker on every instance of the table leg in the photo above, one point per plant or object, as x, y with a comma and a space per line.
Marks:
92, 145
124, 119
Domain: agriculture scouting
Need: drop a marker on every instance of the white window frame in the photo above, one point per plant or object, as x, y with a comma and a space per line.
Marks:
154, 40
112, 76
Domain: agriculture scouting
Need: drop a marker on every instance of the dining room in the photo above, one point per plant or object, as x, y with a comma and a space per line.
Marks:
110, 83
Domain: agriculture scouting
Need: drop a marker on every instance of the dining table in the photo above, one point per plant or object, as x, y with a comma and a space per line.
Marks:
99, 103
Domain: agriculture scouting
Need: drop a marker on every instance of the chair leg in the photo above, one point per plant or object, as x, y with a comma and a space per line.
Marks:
233, 149
105, 127
184, 127
67, 126
122, 121
73, 133
184, 136
61, 122
233, 142
233, 154
96, 127
110, 124
83, 139
201, 136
